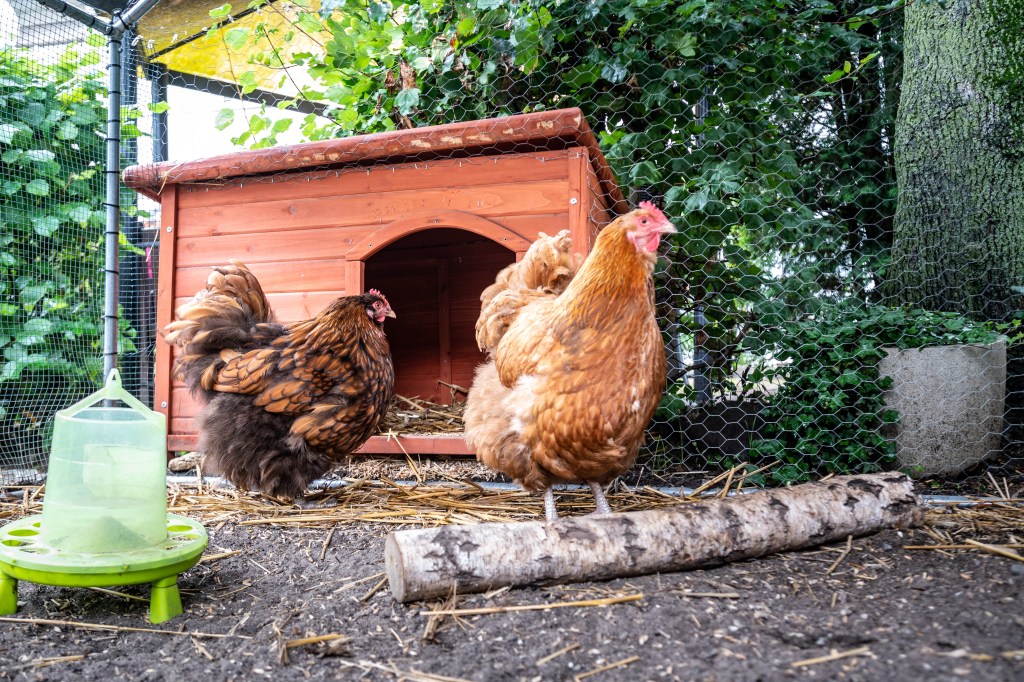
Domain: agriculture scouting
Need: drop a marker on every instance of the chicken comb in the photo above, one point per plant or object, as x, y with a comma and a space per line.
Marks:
376, 292
655, 211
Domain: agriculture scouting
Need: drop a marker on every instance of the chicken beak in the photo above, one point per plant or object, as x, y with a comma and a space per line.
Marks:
666, 228
390, 313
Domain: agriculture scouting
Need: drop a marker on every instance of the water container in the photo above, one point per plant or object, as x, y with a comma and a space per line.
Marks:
106, 486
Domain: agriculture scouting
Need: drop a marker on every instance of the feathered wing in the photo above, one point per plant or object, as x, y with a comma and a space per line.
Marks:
544, 272
231, 313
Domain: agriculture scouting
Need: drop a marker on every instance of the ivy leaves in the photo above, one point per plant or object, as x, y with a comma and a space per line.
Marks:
829, 412
51, 218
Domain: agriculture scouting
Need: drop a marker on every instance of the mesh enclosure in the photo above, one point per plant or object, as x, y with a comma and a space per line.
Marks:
52, 89
341, 144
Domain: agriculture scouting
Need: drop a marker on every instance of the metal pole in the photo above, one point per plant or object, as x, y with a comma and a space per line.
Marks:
112, 172
79, 15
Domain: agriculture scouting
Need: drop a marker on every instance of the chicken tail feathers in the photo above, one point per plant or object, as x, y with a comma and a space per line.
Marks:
544, 272
232, 312
494, 430
254, 449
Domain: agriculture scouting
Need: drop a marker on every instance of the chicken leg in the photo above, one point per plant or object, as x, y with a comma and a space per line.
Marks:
601, 501
550, 513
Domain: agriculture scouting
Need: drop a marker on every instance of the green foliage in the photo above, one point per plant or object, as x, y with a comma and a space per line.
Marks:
764, 126
828, 413
51, 237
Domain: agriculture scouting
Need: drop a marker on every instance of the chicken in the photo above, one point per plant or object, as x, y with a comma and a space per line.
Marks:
576, 363
283, 402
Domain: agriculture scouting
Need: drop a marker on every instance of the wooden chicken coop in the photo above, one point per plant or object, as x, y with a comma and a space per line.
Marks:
428, 216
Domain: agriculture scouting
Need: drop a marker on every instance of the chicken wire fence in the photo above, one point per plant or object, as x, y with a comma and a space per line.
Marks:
767, 131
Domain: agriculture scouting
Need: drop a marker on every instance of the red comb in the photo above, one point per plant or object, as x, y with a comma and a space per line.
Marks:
376, 292
648, 206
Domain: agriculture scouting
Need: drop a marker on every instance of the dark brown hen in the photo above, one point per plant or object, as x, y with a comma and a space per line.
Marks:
284, 403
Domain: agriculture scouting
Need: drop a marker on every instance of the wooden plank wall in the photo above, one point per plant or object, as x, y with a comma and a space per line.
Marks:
293, 231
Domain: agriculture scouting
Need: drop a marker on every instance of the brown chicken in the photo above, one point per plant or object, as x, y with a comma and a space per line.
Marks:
283, 403
576, 361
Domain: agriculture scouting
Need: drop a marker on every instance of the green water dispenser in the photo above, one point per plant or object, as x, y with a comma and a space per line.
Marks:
105, 518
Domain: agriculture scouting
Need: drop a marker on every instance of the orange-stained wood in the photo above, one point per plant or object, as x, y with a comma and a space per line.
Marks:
278, 276
435, 220
301, 213
540, 131
184, 439
361, 180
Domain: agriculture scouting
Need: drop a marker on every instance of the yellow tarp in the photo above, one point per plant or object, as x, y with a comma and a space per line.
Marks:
174, 33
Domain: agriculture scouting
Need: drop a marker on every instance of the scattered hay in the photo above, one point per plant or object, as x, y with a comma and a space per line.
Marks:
959, 526
413, 416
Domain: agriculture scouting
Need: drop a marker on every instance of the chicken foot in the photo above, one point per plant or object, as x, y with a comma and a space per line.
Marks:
602, 506
601, 502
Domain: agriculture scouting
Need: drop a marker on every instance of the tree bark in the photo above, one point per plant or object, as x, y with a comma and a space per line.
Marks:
425, 563
959, 225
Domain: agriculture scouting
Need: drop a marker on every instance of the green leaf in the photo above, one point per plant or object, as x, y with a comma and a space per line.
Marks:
378, 11
225, 117
407, 100
38, 187
40, 155
80, 213
221, 12
67, 130
248, 82
31, 295
236, 38
38, 326
7, 132
45, 226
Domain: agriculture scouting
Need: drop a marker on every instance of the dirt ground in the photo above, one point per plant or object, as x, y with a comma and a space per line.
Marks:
278, 598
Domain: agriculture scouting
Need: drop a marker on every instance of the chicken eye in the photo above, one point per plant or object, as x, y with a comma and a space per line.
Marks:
643, 221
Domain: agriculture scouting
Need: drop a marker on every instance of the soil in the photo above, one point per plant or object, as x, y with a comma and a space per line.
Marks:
873, 610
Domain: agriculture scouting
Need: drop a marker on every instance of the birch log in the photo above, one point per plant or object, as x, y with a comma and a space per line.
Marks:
426, 563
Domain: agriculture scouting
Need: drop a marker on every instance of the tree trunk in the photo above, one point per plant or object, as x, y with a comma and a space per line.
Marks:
425, 563
959, 224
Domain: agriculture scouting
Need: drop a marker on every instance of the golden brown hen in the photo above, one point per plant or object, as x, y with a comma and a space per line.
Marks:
576, 361
284, 403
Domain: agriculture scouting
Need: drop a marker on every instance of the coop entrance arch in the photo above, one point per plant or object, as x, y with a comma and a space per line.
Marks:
433, 267
431, 220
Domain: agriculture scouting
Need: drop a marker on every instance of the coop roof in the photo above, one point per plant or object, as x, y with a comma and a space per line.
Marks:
541, 131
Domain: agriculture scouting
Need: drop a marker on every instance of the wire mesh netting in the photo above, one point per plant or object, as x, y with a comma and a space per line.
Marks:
789, 143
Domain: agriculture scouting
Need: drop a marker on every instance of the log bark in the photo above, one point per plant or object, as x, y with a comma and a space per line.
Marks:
426, 563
